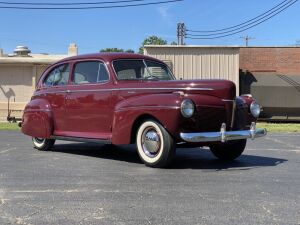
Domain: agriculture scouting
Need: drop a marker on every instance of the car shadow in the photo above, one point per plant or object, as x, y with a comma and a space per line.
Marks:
204, 159
194, 158
119, 153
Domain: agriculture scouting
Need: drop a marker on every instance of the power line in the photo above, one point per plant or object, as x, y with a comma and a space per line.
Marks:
90, 7
69, 3
227, 28
233, 33
246, 25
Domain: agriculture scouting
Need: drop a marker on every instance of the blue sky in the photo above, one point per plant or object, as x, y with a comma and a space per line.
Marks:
51, 31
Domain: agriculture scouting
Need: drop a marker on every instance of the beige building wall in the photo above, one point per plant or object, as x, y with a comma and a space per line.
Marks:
19, 73
199, 62
17, 83
18, 78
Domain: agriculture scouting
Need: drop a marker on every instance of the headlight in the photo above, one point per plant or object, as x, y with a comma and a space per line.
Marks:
255, 109
187, 108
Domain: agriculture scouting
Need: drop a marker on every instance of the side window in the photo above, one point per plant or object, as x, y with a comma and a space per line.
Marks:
58, 76
90, 72
127, 74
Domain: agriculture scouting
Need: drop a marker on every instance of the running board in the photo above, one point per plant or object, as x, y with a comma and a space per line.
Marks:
78, 139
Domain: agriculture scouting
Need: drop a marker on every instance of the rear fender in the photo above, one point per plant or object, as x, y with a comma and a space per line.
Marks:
37, 119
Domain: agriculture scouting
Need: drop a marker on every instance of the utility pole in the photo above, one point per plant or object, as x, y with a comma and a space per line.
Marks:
178, 33
181, 29
247, 38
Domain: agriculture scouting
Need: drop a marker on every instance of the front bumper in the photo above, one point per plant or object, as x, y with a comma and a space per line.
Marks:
224, 135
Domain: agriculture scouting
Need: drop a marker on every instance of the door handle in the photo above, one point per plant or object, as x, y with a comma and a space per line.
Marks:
68, 92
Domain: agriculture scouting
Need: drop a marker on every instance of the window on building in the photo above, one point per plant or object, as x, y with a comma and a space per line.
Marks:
58, 76
90, 72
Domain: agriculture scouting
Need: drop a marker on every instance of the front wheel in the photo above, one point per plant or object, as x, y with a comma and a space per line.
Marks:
230, 150
43, 144
154, 144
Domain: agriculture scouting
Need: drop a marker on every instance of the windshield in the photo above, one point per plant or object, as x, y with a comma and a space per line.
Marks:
141, 70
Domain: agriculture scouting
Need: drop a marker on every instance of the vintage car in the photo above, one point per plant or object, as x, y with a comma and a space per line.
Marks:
120, 99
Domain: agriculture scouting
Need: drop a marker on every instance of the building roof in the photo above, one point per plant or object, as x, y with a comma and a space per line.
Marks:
192, 46
27, 58
270, 47
215, 46
31, 59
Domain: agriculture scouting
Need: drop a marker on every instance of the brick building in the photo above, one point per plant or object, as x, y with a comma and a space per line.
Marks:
272, 76
282, 60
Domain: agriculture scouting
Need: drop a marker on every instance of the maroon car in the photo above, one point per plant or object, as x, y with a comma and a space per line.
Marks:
134, 99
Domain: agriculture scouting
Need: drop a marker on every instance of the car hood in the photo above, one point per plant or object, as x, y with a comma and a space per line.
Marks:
224, 89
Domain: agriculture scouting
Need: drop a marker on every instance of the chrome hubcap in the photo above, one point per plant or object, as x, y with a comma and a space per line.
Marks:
151, 142
39, 140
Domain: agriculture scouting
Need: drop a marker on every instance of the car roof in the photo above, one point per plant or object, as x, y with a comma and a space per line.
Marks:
108, 57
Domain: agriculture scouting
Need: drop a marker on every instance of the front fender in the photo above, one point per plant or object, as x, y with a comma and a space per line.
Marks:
37, 119
163, 107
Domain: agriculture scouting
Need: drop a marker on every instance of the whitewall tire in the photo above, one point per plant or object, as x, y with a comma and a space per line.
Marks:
155, 145
43, 144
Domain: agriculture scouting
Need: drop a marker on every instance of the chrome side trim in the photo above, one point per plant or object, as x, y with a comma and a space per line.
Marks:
228, 100
78, 139
148, 107
125, 89
224, 136
37, 110
174, 88
247, 95
233, 114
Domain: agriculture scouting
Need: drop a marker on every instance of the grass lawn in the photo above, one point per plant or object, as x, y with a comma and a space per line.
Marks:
280, 127
9, 126
271, 127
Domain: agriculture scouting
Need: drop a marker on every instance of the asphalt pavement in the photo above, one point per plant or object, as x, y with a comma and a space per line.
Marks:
80, 183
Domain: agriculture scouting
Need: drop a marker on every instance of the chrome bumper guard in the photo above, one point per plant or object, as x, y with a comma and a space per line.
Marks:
224, 135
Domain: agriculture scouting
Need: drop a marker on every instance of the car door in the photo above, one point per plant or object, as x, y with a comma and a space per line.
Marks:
88, 108
54, 92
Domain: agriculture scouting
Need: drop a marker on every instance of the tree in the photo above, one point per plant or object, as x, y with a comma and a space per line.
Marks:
116, 50
129, 51
152, 40
173, 43
112, 50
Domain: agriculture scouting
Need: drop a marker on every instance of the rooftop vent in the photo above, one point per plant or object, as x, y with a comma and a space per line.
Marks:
22, 51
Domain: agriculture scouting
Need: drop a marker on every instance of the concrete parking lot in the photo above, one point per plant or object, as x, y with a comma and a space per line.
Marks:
94, 184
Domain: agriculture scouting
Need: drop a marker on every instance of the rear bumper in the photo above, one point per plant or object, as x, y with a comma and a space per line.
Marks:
224, 135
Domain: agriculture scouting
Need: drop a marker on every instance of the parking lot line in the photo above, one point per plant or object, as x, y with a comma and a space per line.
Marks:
6, 150
281, 142
274, 149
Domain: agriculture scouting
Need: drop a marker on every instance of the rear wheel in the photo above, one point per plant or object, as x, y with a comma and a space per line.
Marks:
43, 144
154, 144
230, 150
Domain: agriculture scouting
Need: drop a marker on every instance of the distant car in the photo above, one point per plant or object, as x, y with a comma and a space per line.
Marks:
122, 98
